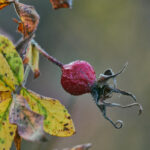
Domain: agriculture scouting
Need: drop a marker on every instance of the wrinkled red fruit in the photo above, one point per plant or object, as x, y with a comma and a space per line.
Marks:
78, 77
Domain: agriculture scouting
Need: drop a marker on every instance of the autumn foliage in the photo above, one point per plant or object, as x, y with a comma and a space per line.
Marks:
23, 113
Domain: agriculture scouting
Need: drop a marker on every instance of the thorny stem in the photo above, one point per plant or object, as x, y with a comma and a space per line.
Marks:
45, 54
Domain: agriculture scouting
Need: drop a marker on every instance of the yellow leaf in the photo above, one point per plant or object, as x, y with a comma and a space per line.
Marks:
4, 3
4, 96
11, 66
57, 119
7, 130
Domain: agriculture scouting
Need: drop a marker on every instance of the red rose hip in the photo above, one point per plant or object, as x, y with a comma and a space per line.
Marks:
78, 77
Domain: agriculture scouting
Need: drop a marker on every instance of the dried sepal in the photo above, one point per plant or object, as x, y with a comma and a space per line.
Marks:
102, 90
61, 4
29, 123
29, 18
32, 59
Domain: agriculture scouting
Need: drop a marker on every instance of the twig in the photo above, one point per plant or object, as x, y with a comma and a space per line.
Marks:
26, 74
45, 54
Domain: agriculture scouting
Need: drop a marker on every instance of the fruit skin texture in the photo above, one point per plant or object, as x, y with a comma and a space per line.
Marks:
78, 77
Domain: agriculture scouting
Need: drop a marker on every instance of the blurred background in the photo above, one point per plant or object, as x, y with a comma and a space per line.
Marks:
107, 34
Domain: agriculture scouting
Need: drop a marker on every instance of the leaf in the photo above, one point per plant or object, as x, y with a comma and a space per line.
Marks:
57, 119
11, 66
81, 147
4, 96
7, 130
4, 3
61, 3
29, 123
17, 141
29, 18
32, 58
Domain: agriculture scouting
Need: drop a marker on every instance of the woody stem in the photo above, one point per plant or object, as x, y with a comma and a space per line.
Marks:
26, 74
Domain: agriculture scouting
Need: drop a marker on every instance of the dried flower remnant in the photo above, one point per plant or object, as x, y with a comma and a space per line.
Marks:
4, 3
29, 18
61, 4
80, 147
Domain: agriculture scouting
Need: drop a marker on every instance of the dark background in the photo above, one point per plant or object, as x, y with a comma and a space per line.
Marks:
107, 34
